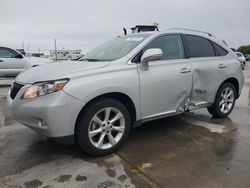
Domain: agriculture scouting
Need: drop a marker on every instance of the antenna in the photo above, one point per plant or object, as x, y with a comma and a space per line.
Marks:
125, 31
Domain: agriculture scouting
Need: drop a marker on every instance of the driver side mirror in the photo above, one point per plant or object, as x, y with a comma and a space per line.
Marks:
151, 54
18, 56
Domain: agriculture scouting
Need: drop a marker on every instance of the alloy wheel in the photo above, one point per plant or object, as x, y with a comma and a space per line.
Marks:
106, 128
226, 100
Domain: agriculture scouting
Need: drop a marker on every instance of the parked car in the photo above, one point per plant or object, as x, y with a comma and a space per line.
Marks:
247, 56
127, 81
13, 62
242, 59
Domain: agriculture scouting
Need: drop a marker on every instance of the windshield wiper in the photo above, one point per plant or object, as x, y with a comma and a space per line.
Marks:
90, 60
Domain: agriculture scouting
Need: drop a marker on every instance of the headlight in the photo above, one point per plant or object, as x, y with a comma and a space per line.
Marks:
44, 88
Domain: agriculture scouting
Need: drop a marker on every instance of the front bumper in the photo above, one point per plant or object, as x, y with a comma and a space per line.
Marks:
52, 115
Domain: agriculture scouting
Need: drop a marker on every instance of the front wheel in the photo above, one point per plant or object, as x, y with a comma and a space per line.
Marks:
224, 101
103, 127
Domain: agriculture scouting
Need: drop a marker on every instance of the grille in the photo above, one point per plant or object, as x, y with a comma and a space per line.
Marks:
15, 89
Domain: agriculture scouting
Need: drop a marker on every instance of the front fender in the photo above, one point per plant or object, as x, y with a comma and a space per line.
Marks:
89, 87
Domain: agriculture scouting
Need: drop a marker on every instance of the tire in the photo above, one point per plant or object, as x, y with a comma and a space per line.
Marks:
94, 127
217, 107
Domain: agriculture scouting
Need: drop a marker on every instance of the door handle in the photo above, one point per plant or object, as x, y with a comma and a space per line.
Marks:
1, 60
221, 66
185, 70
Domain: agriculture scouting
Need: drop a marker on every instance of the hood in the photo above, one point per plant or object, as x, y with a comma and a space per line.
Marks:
38, 60
58, 70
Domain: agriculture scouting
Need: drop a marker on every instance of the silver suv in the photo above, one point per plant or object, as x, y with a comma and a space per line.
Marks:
125, 82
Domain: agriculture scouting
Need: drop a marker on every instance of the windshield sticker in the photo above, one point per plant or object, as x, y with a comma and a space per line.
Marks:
137, 39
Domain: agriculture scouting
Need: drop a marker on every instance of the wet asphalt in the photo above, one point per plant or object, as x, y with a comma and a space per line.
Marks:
190, 150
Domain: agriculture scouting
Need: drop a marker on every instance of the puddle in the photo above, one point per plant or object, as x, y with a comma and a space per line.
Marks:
81, 178
63, 178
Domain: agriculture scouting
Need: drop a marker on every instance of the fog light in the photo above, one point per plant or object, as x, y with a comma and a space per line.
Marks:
41, 123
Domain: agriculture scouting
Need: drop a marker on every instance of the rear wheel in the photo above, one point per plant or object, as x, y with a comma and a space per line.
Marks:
103, 127
224, 101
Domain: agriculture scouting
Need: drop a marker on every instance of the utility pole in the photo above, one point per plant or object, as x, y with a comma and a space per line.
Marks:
22, 45
55, 50
29, 48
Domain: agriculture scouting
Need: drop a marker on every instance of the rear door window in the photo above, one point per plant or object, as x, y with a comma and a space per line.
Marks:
199, 47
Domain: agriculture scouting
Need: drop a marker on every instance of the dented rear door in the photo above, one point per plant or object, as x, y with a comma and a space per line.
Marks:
208, 74
209, 70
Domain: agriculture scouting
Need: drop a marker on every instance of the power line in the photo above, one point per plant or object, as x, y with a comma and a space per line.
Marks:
189, 9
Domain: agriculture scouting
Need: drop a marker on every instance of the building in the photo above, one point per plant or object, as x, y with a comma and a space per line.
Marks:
21, 51
65, 54
35, 54
144, 28
32, 54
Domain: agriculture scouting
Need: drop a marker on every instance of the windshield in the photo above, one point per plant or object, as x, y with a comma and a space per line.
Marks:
115, 49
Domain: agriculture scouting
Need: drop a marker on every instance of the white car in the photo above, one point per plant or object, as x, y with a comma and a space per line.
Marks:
242, 59
13, 62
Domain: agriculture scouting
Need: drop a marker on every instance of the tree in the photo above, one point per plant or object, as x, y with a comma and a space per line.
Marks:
244, 49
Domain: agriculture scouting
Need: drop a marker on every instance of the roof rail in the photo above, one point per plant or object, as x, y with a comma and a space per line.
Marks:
209, 34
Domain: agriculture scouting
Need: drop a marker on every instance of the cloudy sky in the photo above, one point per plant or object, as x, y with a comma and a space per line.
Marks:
83, 24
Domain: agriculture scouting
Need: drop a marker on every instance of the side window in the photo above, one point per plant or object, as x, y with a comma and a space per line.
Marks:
6, 53
199, 47
171, 46
219, 51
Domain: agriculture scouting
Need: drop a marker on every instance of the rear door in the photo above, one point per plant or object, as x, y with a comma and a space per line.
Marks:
166, 86
209, 69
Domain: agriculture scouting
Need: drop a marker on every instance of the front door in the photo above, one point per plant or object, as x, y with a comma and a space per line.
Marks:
166, 86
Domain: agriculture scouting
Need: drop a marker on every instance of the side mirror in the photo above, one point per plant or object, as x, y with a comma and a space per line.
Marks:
19, 56
151, 54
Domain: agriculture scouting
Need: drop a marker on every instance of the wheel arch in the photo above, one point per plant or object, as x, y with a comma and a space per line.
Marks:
235, 82
121, 97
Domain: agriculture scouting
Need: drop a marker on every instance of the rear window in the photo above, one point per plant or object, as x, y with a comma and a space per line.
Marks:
199, 47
